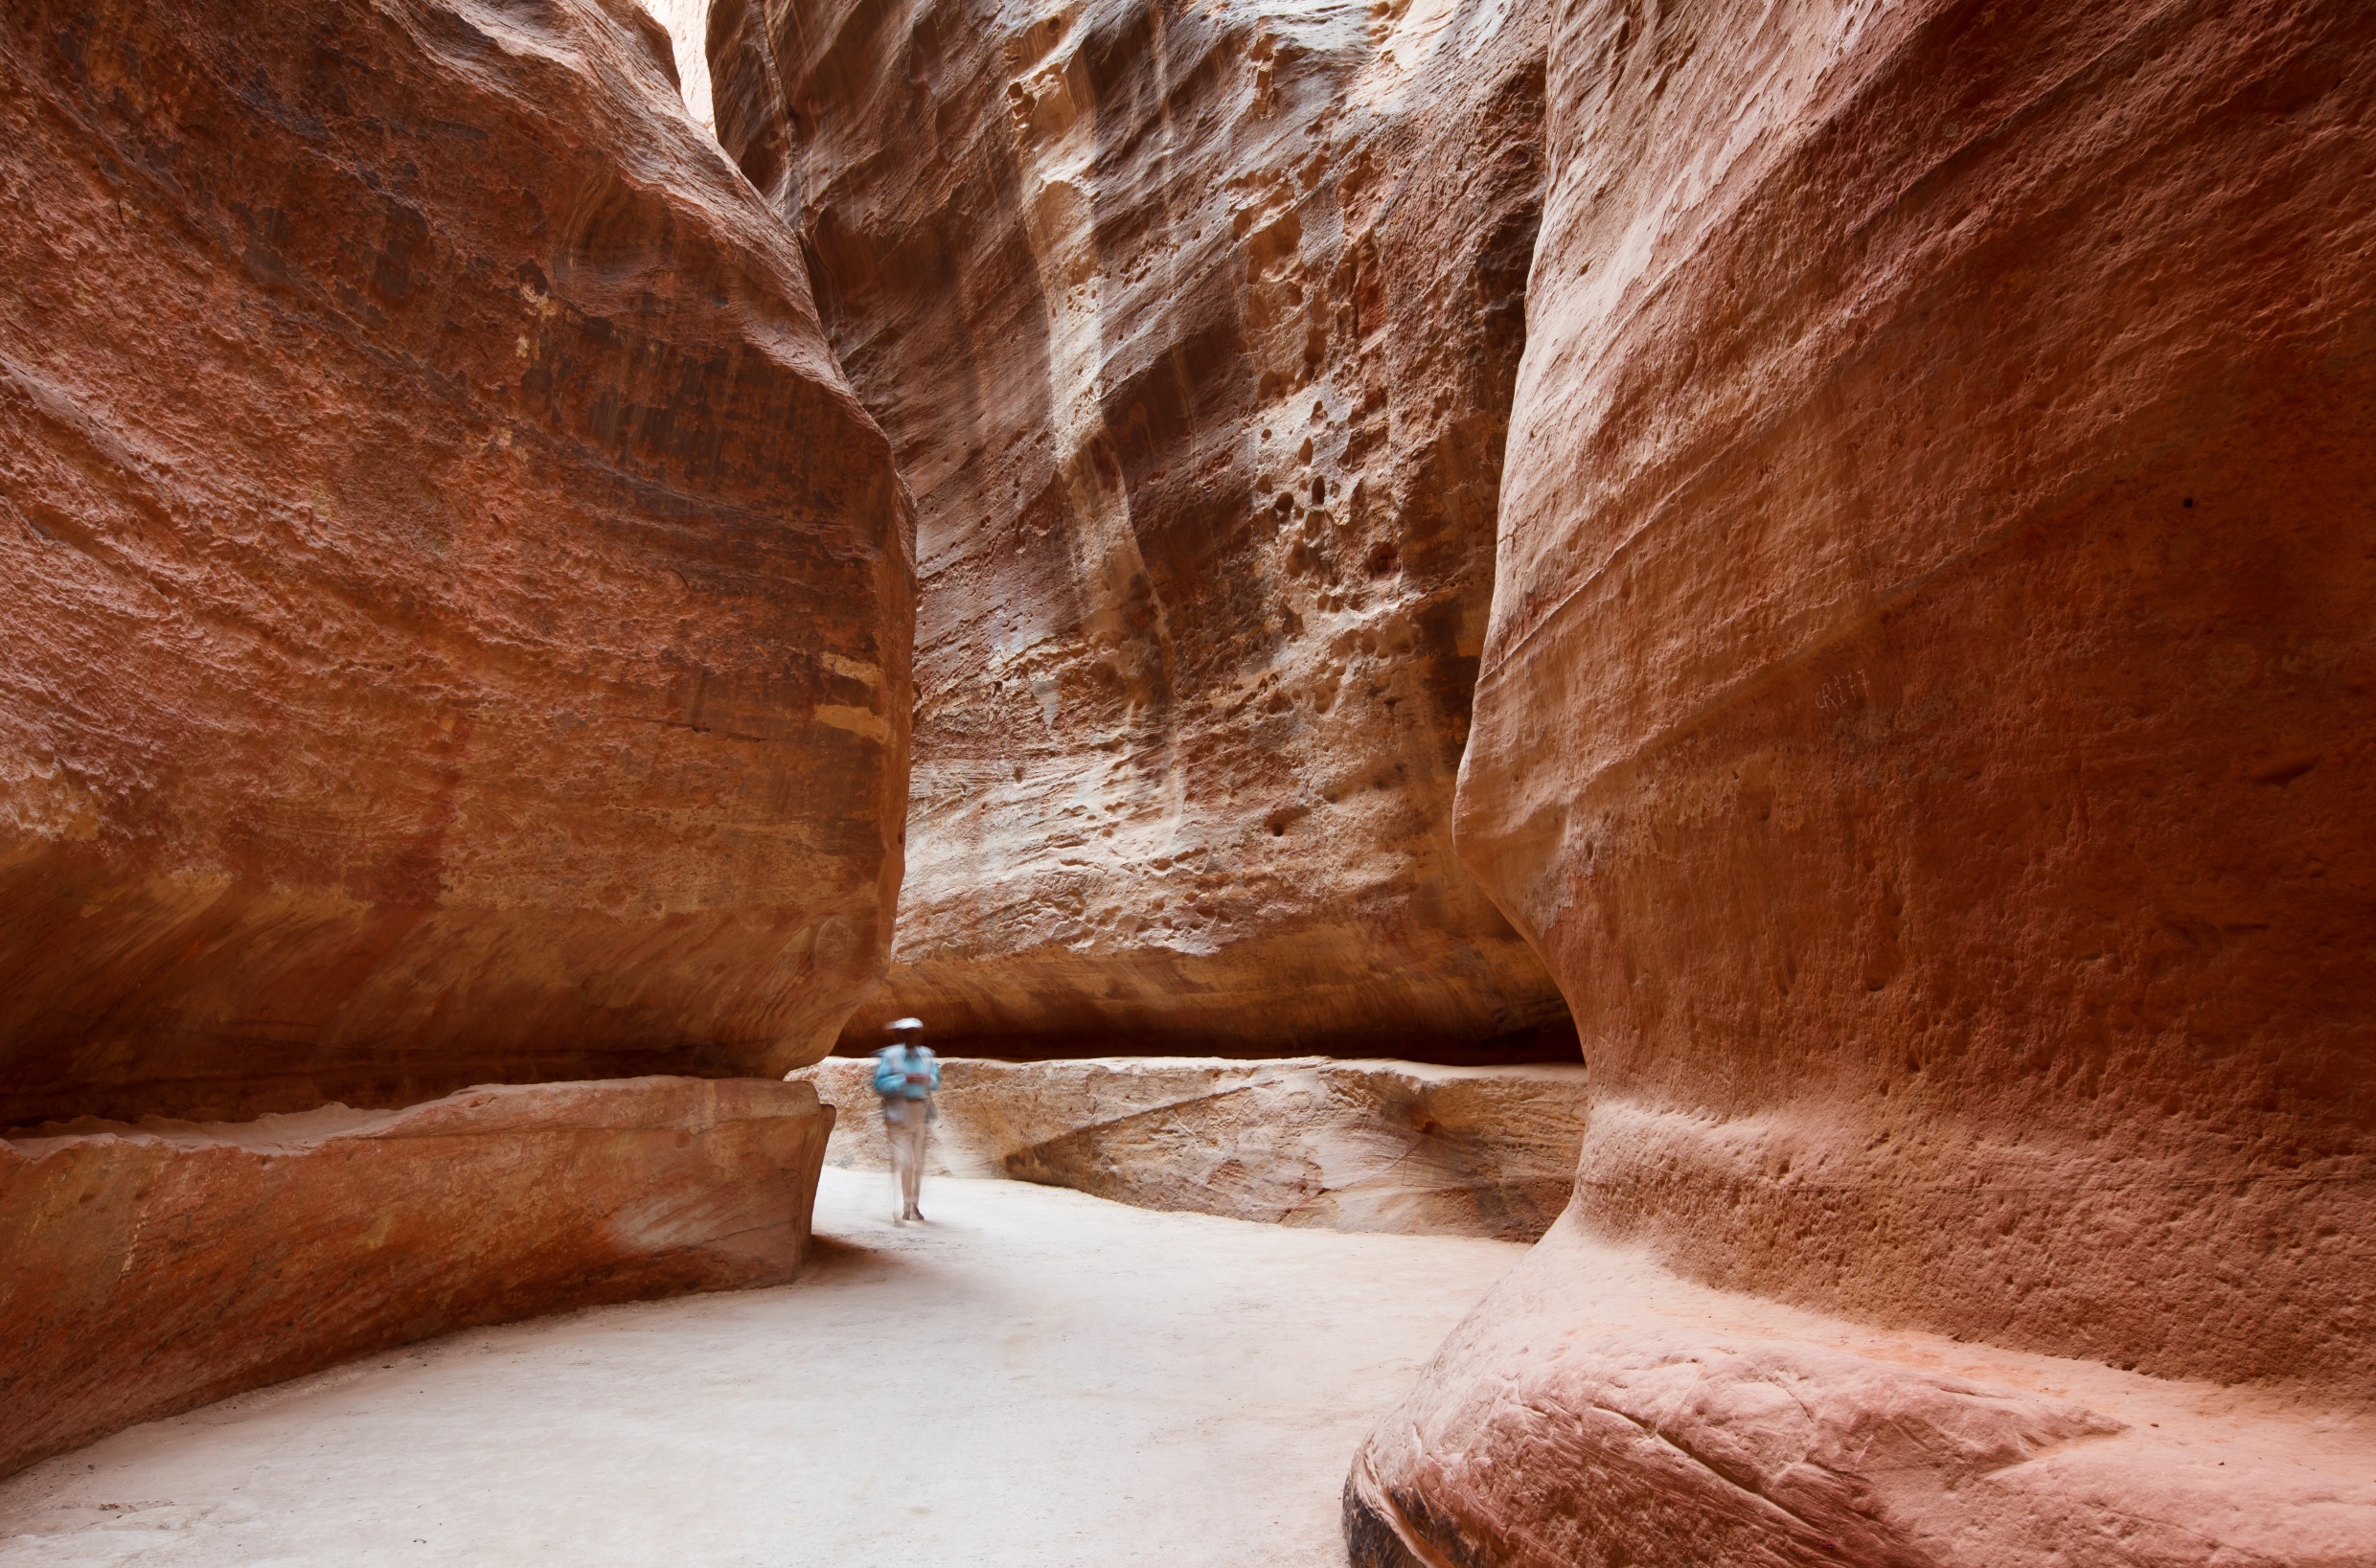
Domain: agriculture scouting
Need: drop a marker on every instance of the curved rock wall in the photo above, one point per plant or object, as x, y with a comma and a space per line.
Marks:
1925, 721
458, 616
1193, 327
1925, 711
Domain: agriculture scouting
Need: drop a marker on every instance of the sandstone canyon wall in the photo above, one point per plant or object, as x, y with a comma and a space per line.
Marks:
1926, 724
1193, 327
457, 616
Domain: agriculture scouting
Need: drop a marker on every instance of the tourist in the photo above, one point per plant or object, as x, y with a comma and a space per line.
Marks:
905, 1074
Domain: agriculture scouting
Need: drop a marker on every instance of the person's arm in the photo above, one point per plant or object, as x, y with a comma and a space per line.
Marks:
888, 1079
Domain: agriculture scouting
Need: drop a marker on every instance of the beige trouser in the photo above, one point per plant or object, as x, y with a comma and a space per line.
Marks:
903, 1126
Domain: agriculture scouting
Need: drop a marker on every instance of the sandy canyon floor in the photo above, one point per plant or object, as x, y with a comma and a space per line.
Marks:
1034, 1377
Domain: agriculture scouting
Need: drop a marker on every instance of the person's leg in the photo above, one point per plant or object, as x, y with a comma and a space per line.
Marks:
911, 1176
895, 1136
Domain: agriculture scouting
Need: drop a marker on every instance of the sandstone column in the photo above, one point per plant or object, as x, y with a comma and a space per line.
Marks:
1926, 725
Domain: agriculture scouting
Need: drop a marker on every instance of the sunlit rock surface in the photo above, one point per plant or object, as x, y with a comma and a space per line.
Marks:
154, 1267
688, 25
1348, 1146
1924, 723
1193, 327
457, 616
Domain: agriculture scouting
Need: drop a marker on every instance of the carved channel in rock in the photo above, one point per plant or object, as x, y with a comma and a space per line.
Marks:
1816, 551
1349, 1145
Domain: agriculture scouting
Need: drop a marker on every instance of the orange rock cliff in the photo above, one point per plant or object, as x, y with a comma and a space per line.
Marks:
1193, 328
456, 632
1925, 725
459, 617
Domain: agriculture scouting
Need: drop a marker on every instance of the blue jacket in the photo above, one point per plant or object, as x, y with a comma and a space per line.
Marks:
894, 1062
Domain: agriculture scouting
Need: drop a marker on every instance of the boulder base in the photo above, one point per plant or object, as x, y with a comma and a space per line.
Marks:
1600, 1410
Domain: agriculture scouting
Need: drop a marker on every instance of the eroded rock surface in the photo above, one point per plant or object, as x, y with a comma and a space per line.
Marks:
1192, 326
1347, 1145
155, 1267
1599, 1410
457, 617
1924, 724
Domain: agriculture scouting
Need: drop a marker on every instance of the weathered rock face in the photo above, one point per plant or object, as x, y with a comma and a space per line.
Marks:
1599, 1410
1193, 327
1926, 724
1346, 1146
457, 620
157, 1267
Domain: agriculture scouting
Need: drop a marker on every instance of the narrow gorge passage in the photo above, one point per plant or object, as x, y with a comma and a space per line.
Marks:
1271, 580
1162, 1388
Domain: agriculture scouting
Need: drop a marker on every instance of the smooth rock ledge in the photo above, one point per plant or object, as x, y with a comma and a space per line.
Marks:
156, 1267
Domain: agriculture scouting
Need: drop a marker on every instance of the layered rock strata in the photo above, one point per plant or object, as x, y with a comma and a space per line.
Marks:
155, 1267
458, 616
1193, 327
1925, 725
1346, 1146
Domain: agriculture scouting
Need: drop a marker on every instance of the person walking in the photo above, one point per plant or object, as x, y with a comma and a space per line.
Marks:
905, 1074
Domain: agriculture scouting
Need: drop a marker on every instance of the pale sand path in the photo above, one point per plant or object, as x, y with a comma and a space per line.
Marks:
1036, 1378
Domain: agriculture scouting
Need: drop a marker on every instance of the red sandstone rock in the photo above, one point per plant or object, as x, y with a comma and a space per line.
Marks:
1345, 1146
1598, 1410
1193, 328
1926, 724
457, 617
154, 1268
